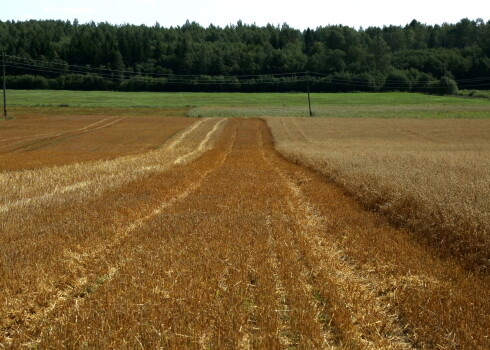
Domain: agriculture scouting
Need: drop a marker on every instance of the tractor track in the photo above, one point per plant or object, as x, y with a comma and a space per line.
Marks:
82, 265
50, 139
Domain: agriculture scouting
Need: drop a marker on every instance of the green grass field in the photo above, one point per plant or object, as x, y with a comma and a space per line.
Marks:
54, 98
380, 105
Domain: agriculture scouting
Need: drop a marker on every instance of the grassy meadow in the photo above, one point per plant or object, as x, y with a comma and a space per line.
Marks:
353, 105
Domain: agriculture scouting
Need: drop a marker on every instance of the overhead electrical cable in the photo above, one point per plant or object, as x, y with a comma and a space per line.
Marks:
50, 67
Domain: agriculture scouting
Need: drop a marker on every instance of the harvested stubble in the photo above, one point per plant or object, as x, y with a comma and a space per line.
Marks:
49, 211
81, 180
429, 175
237, 249
34, 141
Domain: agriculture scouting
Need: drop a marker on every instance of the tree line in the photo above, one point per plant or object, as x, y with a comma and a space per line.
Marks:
58, 54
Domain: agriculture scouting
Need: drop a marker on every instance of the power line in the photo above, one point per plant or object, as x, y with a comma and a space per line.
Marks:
273, 78
394, 81
169, 79
139, 78
473, 85
173, 78
84, 69
148, 73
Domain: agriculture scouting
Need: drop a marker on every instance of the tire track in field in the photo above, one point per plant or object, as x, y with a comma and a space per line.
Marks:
36, 136
386, 331
53, 134
286, 130
290, 260
147, 169
345, 278
182, 135
315, 306
202, 145
283, 309
300, 132
63, 136
69, 296
45, 197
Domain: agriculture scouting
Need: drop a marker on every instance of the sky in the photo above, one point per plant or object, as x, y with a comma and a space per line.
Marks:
296, 13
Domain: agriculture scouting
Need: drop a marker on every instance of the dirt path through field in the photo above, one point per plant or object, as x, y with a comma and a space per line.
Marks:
238, 249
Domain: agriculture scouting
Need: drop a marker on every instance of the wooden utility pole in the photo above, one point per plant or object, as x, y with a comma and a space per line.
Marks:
308, 89
4, 88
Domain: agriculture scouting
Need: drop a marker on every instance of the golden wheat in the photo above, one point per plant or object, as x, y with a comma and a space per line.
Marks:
228, 245
429, 175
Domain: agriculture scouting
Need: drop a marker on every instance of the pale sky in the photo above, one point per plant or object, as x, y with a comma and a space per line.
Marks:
298, 14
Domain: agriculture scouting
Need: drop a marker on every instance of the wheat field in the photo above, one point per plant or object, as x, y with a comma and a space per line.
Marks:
208, 238
432, 176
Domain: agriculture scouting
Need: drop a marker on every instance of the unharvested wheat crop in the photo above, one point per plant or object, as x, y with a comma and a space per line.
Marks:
432, 176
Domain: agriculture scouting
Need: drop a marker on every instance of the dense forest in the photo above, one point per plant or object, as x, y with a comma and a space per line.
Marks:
417, 57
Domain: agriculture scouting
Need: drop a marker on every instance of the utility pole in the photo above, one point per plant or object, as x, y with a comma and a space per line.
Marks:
308, 89
4, 89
